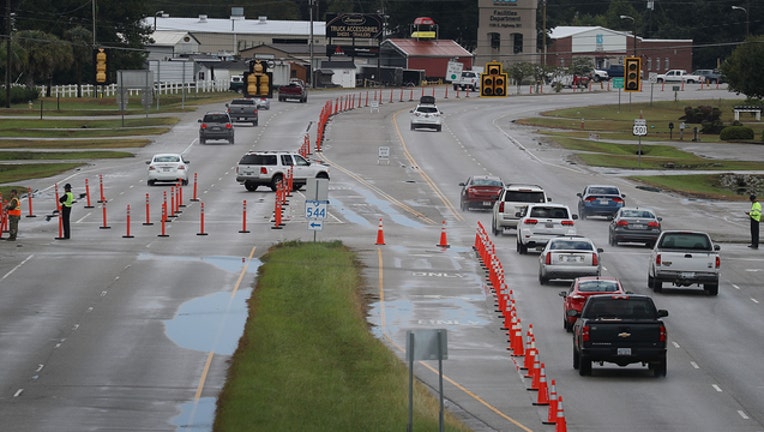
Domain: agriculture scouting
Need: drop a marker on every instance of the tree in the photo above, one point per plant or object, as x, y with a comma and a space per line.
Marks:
45, 54
743, 68
80, 38
519, 71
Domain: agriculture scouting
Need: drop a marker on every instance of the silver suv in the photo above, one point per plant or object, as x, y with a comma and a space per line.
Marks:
513, 200
426, 114
268, 168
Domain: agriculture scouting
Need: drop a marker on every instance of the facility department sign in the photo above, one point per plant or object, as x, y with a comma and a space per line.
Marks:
356, 26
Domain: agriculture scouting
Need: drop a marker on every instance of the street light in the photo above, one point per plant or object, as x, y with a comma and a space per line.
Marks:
633, 31
746, 17
156, 14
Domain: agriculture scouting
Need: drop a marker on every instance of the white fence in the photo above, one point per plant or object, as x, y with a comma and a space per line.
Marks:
111, 90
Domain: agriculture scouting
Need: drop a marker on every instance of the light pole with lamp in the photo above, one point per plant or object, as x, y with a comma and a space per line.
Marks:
633, 31
156, 14
746, 17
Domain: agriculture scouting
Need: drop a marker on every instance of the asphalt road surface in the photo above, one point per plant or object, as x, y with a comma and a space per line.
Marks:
114, 332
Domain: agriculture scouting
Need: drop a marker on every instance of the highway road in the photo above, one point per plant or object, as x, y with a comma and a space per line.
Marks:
104, 332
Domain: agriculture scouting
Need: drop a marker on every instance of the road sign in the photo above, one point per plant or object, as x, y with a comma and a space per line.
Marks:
640, 127
653, 77
315, 209
454, 71
618, 83
316, 224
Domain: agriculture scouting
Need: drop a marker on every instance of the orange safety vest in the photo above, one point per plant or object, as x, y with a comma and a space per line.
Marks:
16, 210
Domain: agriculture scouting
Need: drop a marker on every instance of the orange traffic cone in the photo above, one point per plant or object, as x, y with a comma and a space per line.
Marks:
443, 242
543, 396
380, 234
562, 426
552, 413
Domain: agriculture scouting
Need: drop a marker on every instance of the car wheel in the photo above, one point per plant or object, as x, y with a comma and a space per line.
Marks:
250, 186
521, 248
202, 141
611, 241
576, 359
711, 289
657, 285
254, 123
437, 128
275, 182
230, 140
543, 280
567, 325
660, 368
150, 183
495, 231
184, 182
412, 127
585, 366
582, 214
456, 87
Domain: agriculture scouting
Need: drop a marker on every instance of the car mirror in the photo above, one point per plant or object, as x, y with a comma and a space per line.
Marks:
563, 294
199, 121
148, 162
717, 248
226, 105
600, 250
623, 195
575, 217
462, 184
519, 214
662, 313
659, 218
578, 194
573, 313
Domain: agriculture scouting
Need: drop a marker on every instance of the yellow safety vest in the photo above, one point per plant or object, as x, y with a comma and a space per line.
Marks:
15, 209
755, 212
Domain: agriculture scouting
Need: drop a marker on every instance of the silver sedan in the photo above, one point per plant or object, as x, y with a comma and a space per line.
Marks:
569, 257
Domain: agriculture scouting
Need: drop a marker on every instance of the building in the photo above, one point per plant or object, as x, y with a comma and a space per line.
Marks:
507, 32
429, 55
607, 47
171, 44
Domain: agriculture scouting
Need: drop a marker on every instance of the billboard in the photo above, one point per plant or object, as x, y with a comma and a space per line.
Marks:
354, 26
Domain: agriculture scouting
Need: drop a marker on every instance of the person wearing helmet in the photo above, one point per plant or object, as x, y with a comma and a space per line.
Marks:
66, 200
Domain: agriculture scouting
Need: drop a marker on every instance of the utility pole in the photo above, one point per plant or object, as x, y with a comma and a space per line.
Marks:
311, 3
8, 31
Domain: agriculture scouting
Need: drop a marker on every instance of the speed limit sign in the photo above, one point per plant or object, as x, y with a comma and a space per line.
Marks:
640, 127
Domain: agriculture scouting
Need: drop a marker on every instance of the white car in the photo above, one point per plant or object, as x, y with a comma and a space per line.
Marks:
167, 167
569, 257
540, 223
263, 103
426, 116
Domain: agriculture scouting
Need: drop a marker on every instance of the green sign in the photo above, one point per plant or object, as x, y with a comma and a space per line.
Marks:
618, 83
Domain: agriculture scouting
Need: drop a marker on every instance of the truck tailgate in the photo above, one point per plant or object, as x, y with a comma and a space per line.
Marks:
626, 335
688, 261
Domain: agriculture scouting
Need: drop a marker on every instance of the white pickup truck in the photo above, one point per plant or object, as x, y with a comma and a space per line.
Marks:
468, 80
679, 75
684, 258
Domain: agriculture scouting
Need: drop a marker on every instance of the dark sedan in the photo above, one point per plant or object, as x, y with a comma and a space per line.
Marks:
480, 191
600, 200
637, 225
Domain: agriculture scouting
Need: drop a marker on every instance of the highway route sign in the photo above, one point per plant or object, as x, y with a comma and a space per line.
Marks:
640, 127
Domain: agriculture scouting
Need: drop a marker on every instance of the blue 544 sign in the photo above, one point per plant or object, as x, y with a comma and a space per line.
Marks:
315, 209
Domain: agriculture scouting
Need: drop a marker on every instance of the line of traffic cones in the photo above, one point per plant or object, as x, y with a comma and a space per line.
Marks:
526, 355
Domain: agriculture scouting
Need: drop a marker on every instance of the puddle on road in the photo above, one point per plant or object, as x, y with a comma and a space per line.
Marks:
212, 323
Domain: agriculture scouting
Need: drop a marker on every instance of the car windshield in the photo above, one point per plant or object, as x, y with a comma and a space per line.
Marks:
603, 190
524, 196
598, 286
486, 182
167, 158
637, 214
427, 109
216, 118
258, 159
549, 212
571, 245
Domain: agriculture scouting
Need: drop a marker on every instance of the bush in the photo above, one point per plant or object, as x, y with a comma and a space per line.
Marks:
19, 94
736, 133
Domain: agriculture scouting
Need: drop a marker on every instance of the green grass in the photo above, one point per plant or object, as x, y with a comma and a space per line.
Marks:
307, 360
694, 185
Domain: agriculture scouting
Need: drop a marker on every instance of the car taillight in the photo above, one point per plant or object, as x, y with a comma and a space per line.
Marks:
622, 223
663, 334
618, 200
501, 207
567, 222
530, 221
654, 224
585, 333
590, 199
718, 262
658, 259
595, 259
263, 170
152, 168
548, 259
204, 126
181, 167
228, 125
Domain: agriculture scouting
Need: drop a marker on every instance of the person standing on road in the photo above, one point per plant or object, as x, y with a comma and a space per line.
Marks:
14, 214
66, 200
755, 215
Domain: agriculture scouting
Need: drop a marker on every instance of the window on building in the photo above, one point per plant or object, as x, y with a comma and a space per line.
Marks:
495, 39
667, 64
517, 43
658, 64
649, 63
200, 76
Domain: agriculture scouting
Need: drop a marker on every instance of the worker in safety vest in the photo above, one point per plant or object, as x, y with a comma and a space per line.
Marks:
755, 215
66, 200
14, 214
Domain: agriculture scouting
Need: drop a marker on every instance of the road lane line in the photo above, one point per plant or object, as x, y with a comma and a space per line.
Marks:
10, 272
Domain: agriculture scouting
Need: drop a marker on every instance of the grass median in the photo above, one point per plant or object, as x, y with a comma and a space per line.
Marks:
307, 360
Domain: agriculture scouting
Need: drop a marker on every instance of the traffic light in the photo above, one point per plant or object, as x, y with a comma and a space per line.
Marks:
493, 82
101, 74
632, 80
258, 82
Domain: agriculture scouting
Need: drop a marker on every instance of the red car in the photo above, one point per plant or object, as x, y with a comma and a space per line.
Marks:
480, 191
581, 289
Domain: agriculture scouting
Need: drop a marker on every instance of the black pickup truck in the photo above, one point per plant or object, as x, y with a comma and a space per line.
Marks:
620, 329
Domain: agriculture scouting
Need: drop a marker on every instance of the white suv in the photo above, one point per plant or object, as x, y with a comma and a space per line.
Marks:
512, 200
268, 168
426, 115
541, 222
